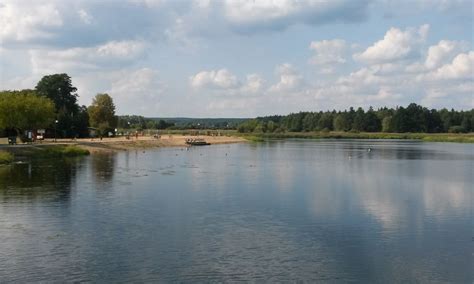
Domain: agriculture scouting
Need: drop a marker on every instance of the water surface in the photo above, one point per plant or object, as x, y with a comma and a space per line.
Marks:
328, 210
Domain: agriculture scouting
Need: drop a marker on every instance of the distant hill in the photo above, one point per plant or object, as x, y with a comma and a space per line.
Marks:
202, 122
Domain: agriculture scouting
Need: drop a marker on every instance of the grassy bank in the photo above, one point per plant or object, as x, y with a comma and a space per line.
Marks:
6, 157
62, 151
429, 137
47, 151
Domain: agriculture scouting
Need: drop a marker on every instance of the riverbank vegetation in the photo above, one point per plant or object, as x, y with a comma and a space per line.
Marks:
53, 106
46, 151
412, 119
6, 157
63, 151
21, 110
428, 137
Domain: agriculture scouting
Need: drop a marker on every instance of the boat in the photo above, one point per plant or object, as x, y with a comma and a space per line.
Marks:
197, 142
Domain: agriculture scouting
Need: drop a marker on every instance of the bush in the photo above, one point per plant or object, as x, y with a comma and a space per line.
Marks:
62, 151
5, 157
456, 129
71, 151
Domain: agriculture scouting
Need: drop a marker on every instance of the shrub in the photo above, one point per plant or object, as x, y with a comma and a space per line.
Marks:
5, 157
62, 151
456, 129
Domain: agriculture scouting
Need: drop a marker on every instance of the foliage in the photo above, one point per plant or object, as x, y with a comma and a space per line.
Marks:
413, 118
58, 88
201, 123
102, 113
24, 110
72, 119
60, 151
429, 137
131, 121
6, 157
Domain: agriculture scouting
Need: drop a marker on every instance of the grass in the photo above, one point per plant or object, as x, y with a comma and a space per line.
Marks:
61, 151
428, 137
254, 138
6, 157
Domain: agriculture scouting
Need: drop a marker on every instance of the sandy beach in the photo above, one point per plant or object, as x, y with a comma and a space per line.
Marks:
121, 143
142, 142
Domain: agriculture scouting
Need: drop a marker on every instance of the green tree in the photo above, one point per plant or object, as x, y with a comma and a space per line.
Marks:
70, 116
341, 122
325, 121
359, 120
372, 121
59, 89
24, 110
102, 113
387, 124
271, 126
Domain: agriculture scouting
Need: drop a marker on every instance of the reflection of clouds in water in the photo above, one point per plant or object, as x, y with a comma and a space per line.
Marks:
284, 175
400, 198
215, 167
395, 194
442, 196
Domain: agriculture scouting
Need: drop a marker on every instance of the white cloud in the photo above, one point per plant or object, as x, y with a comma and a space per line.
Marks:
328, 54
85, 17
290, 79
462, 67
222, 79
396, 45
137, 91
442, 52
110, 54
253, 85
225, 82
148, 3
22, 21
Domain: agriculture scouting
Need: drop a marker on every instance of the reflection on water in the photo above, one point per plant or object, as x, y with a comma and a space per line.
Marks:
365, 211
37, 180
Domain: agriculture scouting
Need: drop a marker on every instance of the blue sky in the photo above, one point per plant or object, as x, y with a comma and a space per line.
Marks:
244, 58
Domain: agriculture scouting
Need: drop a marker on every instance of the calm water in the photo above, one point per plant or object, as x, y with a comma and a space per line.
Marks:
277, 211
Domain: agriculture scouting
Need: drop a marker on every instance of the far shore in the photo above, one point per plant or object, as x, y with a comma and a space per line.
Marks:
425, 137
96, 145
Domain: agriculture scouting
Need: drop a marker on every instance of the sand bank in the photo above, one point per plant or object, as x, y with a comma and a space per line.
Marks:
142, 142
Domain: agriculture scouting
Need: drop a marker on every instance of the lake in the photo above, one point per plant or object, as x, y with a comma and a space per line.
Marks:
289, 210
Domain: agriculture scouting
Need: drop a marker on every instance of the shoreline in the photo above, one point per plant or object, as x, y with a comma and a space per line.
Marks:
116, 144
422, 137
147, 142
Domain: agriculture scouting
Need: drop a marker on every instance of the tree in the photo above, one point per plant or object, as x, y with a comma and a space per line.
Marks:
372, 121
24, 110
59, 89
387, 124
359, 120
271, 126
341, 122
325, 121
413, 118
81, 123
102, 113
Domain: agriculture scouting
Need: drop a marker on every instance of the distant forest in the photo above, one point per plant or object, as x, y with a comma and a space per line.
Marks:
413, 118
140, 122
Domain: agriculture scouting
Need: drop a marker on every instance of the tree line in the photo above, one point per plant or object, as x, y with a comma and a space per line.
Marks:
413, 118
141, 123
53, 104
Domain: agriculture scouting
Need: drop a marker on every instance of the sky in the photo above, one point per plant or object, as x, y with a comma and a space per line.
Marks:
232, 58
